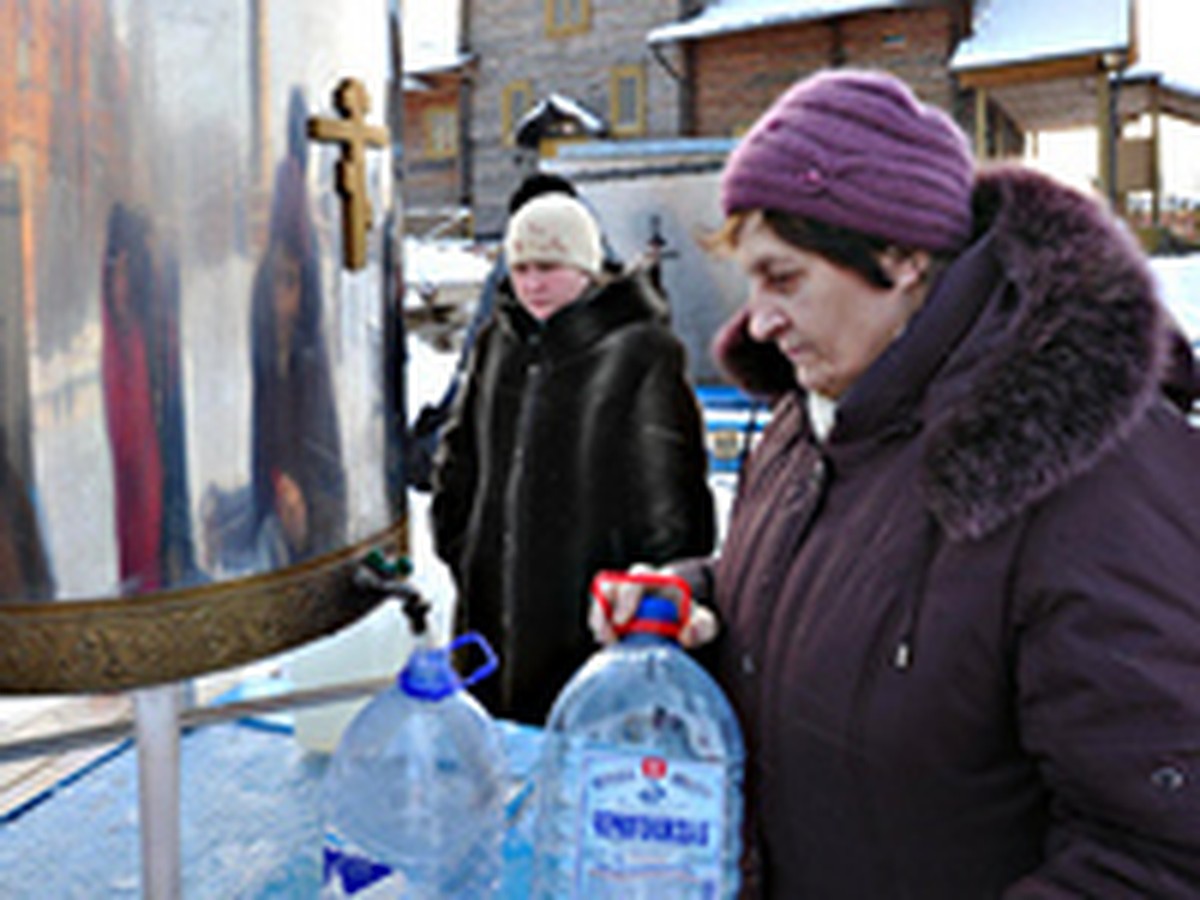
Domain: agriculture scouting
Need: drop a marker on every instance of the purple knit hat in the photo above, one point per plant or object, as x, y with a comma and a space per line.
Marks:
858, 150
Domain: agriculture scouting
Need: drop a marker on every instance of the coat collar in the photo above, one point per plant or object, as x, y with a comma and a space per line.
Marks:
609, 305
1072, 359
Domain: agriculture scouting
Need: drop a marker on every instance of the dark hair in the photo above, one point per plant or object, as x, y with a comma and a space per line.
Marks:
848, 249
537, 184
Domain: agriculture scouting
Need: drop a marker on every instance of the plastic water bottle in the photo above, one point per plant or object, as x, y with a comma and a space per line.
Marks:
640, 783
414, 796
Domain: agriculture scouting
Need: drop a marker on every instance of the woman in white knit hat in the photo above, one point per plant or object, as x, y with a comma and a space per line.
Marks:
576, 445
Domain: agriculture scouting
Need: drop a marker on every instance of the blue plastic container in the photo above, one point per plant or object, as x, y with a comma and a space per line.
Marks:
415, 792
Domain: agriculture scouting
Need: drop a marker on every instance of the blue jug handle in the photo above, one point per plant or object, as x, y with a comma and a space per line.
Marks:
490, 663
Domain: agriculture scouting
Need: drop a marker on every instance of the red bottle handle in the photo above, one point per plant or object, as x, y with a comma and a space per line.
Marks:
648, 579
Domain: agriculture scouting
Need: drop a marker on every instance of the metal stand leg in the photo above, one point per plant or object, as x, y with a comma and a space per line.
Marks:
156, 714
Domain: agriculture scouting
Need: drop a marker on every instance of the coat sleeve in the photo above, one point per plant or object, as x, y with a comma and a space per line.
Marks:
1108, 680
669, 504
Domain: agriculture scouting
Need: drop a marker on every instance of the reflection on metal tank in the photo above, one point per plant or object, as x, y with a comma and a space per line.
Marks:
197, 273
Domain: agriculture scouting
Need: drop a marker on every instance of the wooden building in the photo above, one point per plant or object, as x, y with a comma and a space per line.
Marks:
532, 74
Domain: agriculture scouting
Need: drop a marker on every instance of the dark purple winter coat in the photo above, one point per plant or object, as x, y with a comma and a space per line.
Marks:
964, 634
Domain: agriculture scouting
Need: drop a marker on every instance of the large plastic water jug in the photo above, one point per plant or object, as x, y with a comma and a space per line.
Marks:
415, 792
639, 789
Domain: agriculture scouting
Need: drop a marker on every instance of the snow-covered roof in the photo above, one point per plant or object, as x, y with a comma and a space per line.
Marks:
731, 16
567, 107
1170, 78
430, 36
431, 65
1007, 32
556, 107
1166, 32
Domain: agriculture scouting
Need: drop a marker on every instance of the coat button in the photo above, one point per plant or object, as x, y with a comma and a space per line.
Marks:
747, 664
1170, 779
816, 477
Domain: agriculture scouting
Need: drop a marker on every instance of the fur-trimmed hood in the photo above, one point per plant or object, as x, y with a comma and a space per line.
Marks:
1057, 343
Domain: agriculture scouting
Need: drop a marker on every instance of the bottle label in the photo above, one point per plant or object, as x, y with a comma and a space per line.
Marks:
650, 822
350, 872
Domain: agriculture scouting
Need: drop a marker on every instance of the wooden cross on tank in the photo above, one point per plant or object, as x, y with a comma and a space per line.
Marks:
355, 135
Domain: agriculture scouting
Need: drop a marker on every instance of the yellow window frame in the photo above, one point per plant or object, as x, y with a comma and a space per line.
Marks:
566, 25
440, 131
617, 77
509, 114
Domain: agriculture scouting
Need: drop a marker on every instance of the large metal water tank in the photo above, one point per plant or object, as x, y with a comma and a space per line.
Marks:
199, 314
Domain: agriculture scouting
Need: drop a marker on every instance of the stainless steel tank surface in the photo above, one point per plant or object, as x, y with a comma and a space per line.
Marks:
198, 223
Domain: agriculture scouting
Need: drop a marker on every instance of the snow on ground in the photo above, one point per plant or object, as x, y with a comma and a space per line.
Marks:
430, 266
427, 374
1179, 277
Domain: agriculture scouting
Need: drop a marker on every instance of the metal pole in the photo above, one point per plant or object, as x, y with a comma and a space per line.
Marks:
1155, 156
193, 717
1114, 138
1104, 136
981, 123
156, 714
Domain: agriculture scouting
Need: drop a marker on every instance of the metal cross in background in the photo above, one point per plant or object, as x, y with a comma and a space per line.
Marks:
355, 135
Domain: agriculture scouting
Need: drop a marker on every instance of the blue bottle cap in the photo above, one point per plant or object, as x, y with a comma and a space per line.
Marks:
652, 608
656, 616
428, 675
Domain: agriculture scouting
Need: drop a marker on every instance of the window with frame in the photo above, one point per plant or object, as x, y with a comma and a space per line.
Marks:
627, 100
517, 100
566, 17
441, 132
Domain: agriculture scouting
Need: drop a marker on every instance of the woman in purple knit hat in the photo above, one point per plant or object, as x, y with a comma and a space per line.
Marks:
958, 607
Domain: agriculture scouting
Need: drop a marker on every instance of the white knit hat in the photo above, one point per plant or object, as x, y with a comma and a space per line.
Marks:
554, 228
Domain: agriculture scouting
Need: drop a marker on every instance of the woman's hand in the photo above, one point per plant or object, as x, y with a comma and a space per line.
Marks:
623, 598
